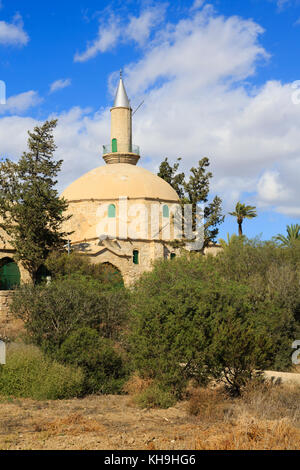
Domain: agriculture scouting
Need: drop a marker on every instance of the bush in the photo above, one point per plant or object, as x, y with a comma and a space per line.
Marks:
190, 321
29, 374
209, 405
270, 272
155, 396
52, 312
63, 264
103, 367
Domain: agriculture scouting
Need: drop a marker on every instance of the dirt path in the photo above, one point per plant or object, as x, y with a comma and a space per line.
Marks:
104, 422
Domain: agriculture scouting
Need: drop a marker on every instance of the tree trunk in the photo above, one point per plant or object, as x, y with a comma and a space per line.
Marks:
240, 229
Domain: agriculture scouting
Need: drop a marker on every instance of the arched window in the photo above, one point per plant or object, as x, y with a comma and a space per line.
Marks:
135, 257
111, 211
165, 211
173, 255
114, 145
110, 274
9, 274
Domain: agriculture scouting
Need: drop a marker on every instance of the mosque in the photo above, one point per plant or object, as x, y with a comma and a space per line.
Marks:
122, 214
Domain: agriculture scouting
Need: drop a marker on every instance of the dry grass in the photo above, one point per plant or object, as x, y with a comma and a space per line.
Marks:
267, 401
136, 385
248, 433
74, 424
266, 417
209, 405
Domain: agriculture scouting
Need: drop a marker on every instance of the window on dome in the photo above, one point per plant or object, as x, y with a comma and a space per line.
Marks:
165, 211
114, 146
111, 211
135, 257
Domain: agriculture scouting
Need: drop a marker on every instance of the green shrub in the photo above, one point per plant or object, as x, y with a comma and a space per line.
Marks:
30, 374
271, 273
103, 367
52, 312
63, 264
191, 321
155, 396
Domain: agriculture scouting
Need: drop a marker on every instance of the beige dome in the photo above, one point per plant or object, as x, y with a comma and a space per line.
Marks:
119, 179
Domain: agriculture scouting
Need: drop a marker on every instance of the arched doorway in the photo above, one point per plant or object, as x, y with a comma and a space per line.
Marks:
9, 274
111, 275
42, 274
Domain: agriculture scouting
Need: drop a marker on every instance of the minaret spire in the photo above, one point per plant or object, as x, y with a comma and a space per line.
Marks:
121, 99
121, 150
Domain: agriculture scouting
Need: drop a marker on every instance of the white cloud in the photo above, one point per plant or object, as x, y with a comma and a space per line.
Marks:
21, 103
194, 77
60, 84
106, 39
13, 134
13, 33
116, 29
140, 27
270, 189
283, 4
197, 4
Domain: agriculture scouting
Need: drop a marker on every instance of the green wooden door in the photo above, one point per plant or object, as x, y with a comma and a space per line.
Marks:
114, 145
9, 276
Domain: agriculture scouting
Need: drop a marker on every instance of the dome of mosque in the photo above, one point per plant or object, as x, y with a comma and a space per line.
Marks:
120, 179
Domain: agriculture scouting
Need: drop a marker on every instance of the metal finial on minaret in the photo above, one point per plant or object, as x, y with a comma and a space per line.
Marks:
121, 98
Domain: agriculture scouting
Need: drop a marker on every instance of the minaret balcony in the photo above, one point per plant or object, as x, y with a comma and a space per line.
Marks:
109, 149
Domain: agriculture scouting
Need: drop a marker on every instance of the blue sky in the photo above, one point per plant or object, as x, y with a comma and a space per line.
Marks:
218, 79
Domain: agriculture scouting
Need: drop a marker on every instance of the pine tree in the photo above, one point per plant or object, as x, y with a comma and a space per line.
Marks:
31, 211
195, 191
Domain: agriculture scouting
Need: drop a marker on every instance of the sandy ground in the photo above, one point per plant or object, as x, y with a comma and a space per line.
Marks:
96, 422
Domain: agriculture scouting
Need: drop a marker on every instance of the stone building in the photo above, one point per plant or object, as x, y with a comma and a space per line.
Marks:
122, 214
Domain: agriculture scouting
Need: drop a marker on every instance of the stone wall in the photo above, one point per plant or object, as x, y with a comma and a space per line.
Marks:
5, 317
5, 300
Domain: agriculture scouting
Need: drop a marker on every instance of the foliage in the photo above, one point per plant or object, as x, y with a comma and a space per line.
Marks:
30, 207
271, 273
293, 235
230, 240
195, 191
62, 264
242, 212
169, 174
155, 396
190, 321
30, 374
52, 312
103, 367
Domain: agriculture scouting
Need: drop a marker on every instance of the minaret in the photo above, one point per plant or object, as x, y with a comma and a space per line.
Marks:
121, 149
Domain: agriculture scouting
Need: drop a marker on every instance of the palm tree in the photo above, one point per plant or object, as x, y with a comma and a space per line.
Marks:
243, 212
293, 234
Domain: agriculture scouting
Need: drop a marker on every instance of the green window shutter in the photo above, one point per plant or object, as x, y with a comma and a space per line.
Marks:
165, 211
111, 211
114, 145
135, 257
9, 276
